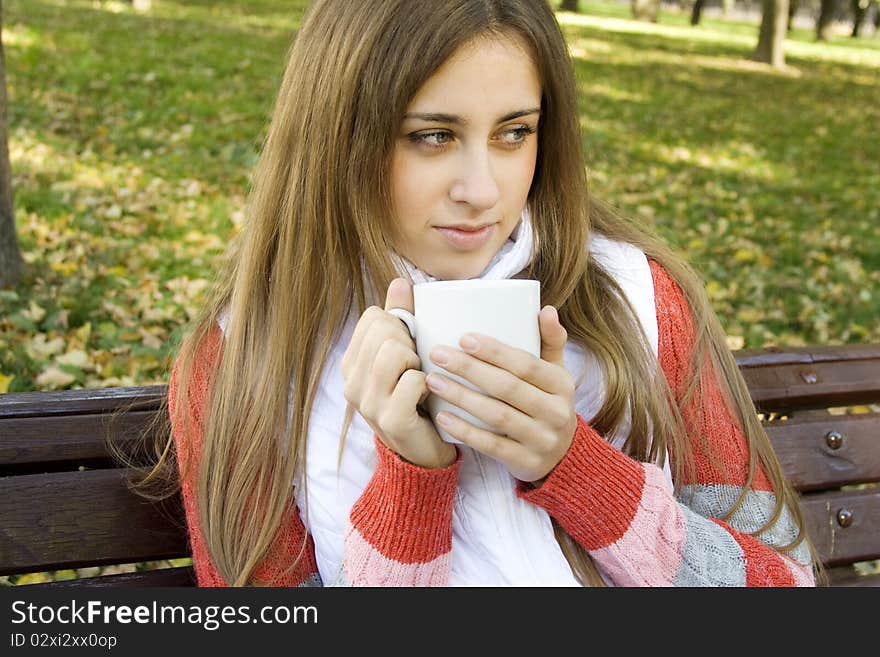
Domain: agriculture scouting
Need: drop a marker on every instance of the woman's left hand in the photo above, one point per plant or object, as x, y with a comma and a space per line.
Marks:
532, 400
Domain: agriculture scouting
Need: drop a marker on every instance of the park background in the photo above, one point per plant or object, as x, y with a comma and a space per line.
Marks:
133, 128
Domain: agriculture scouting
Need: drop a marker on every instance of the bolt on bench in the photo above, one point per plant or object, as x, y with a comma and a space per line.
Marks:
65, 504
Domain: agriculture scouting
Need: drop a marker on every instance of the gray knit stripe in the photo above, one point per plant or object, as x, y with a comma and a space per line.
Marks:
714, 500
711, 556
312, 581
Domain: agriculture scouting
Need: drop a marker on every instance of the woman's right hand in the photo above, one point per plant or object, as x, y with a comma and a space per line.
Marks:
384, 382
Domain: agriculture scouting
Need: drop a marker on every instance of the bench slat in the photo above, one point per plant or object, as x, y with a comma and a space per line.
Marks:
814, 385
769, 356
62, 438
76, 519
812, 464
72, 402
838, 545
847, 576
181, 576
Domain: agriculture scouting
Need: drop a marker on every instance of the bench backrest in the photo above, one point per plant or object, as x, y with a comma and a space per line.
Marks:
64, 501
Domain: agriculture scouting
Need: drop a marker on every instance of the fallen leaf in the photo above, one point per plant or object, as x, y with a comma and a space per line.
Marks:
55, 377
5, 380
76, 358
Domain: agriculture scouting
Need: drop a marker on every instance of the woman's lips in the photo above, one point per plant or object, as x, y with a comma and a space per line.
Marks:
467, 240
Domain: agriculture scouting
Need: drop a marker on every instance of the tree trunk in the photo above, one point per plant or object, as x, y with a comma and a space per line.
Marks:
771, 39
727, 6
645, 10
858, 16
11, 266
568, 5
823, 23
695, 13
792, 10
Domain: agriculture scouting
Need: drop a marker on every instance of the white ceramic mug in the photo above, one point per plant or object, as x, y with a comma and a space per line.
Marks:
506, 310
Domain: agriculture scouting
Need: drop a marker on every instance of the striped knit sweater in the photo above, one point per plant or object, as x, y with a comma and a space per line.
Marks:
400, 530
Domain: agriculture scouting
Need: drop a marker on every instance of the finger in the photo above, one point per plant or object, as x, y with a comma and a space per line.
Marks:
498, 447
363, 328
384, 328
392, 360
400, 295
553, 336
497, 367
409, 391
506, 419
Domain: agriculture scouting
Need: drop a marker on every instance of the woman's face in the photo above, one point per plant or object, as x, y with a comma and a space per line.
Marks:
464, 159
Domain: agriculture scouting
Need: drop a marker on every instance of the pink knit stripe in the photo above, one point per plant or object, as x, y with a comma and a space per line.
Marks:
366, 566
650, 551
802, 573
594, 491
405, 512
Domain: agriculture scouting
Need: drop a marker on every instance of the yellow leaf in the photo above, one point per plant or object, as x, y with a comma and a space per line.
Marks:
735, 342
744, 255
39, 348
77, 358
35, 313
33, 578
84, 332
5, 380
55, 377
65, 268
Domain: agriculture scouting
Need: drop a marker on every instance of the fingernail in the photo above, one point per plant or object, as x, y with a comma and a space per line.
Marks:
440, 355
469, 343
444, 419
435, 383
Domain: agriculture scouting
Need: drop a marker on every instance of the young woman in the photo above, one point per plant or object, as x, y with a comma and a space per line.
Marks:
415, 141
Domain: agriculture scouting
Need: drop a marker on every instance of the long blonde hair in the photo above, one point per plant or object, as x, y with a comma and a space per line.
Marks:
319, 218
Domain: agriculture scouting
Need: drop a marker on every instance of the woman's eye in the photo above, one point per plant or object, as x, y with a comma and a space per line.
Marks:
435, 139
516, 136
440, 139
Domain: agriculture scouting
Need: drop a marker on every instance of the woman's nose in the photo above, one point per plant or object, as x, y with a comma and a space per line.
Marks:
476, 184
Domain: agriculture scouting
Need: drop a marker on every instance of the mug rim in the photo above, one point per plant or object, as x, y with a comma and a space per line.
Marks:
502, 282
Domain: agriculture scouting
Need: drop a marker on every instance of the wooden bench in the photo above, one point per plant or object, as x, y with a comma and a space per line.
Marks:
64, 503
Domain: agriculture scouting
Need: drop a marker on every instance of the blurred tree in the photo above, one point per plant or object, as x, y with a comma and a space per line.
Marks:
823, 22
568, 5
860, 10
771, 38
11, 265
696, 11
793, 6
645, 10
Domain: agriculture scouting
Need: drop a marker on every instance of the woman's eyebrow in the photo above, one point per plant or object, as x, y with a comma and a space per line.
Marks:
437, 117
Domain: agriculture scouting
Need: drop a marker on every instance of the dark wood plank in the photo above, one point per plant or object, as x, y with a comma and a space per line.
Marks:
847, 576
75, 519
748, 358
814, 385
69, 438
838, 545
182, 576
72, 402
810, 459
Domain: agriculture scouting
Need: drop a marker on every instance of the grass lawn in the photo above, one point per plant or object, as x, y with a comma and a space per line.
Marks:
132, 137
